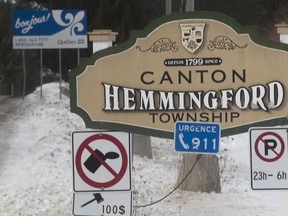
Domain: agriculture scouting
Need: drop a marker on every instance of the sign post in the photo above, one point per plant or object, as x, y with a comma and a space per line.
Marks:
198, 138
268, 150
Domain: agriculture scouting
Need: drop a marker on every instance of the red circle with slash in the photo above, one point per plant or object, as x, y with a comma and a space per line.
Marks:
85, 146
260, 139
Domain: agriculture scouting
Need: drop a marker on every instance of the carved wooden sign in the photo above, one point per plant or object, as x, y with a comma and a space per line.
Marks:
201, 67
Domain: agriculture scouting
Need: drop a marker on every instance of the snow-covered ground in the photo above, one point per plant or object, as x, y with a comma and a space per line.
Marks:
36, 168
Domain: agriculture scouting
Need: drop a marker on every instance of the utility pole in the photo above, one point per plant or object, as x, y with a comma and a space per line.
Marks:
190, 5
187, 5
206, 177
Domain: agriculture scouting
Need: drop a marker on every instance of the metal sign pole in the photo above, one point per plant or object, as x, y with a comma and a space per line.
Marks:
60, 73
78, 57
41, 71
24, 73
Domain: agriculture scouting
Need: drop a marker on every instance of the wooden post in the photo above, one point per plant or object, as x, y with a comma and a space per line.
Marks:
282, 29
205, 176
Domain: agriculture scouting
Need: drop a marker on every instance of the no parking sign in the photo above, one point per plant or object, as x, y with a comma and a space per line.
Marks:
269, 158
101, 161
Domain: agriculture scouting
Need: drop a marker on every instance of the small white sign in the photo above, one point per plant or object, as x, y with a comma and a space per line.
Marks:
102, 203
197, 137
269, 158
101, 161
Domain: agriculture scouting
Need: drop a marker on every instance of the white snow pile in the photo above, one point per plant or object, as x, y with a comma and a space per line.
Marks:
36, 168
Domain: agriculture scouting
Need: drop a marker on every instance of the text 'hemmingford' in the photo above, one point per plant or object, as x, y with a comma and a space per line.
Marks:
264, 97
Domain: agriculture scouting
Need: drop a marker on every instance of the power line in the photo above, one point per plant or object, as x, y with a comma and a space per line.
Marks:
157, 201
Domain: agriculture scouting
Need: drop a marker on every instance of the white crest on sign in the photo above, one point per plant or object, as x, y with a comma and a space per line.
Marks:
192, 35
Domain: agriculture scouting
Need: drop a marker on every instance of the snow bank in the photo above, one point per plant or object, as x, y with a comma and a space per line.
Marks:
36, 176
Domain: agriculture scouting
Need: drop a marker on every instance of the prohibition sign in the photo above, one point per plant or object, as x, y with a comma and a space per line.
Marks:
261, 141
85, 146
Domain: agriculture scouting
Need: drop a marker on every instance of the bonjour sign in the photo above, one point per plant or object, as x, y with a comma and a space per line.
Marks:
201, 67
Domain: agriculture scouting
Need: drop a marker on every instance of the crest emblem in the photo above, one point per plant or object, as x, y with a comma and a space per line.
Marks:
192, 36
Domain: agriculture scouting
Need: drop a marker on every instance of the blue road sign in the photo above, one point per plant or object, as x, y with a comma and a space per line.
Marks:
49, 29
197, 137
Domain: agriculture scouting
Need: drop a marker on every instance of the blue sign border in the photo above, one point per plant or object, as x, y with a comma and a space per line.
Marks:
197, 137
